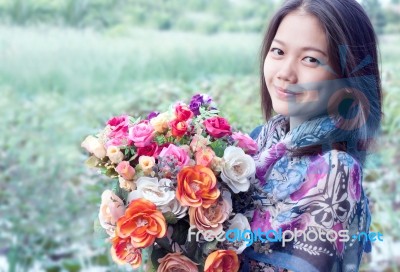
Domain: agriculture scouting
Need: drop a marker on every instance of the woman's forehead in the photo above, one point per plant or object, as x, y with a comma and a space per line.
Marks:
302, 30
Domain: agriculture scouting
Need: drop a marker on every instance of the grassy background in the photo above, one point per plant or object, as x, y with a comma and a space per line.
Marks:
59, 84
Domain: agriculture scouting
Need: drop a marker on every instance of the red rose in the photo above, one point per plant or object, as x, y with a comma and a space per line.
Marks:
217, 127
178, 128
182, 113
150, 150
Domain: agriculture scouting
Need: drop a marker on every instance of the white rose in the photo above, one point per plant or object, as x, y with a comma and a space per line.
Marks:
240, 222
114, 154
94, 146
175, 207
157, 191
237, 169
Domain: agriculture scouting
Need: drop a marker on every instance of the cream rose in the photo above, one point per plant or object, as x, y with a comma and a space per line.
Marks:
160, 122
94, 146
114, 154
159, 192
198, 142
127, 185
237, 169
147, 163
111, 209
240, 222
217, 164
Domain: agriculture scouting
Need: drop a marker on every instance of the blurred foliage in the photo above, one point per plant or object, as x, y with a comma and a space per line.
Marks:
58, 85
195, 15
200, 15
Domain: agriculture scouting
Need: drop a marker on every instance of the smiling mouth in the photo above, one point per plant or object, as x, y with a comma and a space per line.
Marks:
285, 93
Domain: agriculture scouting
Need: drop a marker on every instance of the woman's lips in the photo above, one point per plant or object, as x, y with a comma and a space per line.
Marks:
282, 93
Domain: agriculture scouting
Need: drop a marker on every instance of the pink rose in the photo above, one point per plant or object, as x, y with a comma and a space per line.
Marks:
217, 127
211, 219
245, 142
119, 124
178, 153
125, 170
176, 262
119, 128
141, 134
205, 156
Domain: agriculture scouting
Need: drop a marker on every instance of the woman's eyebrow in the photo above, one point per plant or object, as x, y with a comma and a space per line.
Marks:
306, 48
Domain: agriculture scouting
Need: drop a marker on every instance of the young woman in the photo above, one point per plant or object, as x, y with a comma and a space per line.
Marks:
319, 73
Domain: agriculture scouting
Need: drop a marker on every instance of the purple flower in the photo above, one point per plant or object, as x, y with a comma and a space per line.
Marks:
152, 115
199, 100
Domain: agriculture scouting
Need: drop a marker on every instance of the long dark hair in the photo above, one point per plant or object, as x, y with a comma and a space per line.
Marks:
349, 33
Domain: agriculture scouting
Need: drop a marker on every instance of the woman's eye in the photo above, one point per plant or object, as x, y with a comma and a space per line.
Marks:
277, 51
312, 60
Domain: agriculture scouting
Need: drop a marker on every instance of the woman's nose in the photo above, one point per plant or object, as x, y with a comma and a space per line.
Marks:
287, 71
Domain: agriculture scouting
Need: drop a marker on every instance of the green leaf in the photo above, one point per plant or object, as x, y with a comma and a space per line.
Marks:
219, 147
208, 247
160, 139
214, 112
164, 243
157, 254
180, 232
170, 217
184, 140
121, 193
193, 250
92, 162
110, 172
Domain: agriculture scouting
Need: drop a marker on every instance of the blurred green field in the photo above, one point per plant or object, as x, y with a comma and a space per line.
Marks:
58, 85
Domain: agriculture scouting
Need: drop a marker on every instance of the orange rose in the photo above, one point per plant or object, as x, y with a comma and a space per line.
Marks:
197, 186
123, 252
222, 260
142, 222
176, 262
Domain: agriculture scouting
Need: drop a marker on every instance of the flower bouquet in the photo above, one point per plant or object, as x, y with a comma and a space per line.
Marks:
175, 174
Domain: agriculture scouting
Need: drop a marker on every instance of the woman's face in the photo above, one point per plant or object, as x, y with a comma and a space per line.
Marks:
297, 68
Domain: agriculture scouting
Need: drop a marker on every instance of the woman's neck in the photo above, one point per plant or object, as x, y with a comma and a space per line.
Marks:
295, 121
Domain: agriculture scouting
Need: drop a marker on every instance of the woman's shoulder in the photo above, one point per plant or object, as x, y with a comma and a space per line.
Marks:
256, 131
340, 157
